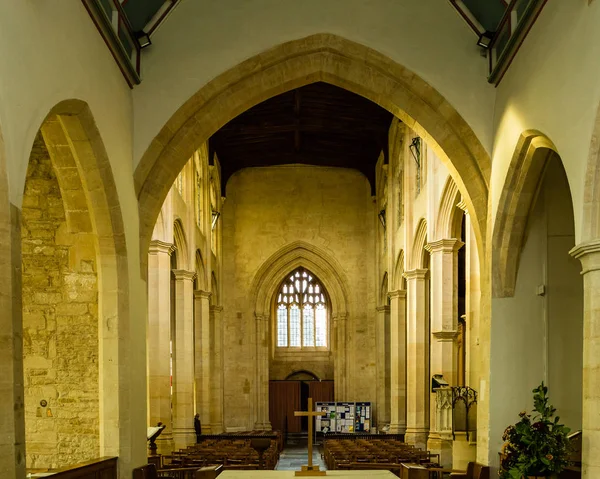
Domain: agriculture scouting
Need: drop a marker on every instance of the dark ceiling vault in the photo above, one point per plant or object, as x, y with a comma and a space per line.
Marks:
318, 124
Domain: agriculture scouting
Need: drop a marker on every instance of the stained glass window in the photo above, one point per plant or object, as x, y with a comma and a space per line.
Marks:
301, 312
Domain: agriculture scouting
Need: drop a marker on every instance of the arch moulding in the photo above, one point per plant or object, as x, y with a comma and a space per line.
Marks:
525, 171
299, 253
327, 58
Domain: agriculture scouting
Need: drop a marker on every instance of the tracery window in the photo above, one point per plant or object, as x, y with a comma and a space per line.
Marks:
198, 198
301, 312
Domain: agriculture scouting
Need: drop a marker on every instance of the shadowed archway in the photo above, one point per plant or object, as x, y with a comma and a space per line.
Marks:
330, 59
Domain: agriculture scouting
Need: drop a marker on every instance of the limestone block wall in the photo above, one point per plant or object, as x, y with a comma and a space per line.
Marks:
267, 209
60, 326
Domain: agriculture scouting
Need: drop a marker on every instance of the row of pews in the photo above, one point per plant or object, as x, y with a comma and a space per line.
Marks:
218, 453
391, 455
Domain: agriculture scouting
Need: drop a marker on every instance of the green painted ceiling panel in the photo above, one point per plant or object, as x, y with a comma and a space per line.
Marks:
487, 12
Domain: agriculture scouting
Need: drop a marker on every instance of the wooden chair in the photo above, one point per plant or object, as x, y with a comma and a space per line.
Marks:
145, 472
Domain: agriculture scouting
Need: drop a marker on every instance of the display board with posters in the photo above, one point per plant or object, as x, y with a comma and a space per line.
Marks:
343, 417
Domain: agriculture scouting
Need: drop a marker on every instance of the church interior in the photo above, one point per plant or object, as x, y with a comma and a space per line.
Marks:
231, 210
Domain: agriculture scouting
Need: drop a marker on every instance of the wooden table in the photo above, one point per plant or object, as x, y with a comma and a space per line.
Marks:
290, 474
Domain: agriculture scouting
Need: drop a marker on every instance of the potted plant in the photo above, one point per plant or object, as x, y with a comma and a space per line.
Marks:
537, 446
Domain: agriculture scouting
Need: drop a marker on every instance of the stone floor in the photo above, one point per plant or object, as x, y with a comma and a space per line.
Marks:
295, 455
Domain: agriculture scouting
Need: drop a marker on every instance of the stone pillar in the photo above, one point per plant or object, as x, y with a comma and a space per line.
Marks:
383, 366
262, 422
444, 331
398, 362
159, 340
183, 360
203, 358
589, 255
216, 372
339, 351
417, 358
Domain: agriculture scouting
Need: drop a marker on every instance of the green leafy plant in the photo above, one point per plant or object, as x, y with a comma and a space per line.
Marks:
537, 445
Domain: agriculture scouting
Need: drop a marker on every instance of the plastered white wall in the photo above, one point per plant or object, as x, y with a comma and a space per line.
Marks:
201, 40
552, 86
49, 52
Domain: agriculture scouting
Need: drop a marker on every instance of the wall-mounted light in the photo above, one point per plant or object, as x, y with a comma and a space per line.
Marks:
381, 216
143, 39
485, 39
215, 218
415, 149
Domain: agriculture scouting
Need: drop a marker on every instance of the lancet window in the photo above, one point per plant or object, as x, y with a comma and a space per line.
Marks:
302, 312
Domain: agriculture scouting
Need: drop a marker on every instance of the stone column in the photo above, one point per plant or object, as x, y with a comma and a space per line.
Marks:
262, 373
159, 340
216, 372
417, 358
444, 330
183, 360
340, 347
383, 369
589, 255
398, 362
203, 358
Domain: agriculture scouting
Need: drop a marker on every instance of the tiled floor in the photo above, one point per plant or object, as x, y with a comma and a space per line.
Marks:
295, 455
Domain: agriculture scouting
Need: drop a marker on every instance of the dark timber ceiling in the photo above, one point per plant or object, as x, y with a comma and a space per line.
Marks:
318, 124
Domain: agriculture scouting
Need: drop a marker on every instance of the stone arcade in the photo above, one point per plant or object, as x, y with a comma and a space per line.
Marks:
292, 199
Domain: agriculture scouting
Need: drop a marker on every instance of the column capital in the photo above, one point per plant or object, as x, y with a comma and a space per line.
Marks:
199, 294
450, 245
448, 335
157, 246
415, 274
463, 206
383, 309
216, 309
260, 316
589, 255
183, 275
399, 293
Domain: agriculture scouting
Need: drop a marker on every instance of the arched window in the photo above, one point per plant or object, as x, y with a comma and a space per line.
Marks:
301, 312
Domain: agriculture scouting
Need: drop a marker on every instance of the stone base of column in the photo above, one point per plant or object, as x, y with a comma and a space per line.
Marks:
164, 444
442, 446
397, 428
416, 437
217, 428
183, 437
263, 426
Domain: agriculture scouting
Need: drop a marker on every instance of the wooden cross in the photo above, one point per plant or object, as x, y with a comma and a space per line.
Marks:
310, 470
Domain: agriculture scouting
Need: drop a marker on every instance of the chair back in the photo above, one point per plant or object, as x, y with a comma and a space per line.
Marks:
480, 472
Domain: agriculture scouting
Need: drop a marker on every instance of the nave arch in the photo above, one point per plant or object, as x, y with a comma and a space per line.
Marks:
322, 57
94, 235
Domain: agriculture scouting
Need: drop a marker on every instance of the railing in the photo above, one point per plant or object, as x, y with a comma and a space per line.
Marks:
101, 468
518, 19
112, 23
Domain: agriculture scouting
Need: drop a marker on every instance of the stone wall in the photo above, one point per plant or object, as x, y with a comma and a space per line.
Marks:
266, 210
60, 326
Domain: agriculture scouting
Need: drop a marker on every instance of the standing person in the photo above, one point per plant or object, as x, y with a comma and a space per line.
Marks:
197, 427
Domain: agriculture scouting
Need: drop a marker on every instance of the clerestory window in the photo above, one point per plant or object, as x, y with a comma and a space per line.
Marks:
301, 312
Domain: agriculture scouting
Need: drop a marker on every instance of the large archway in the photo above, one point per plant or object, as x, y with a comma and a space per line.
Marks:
327, 58
79, 226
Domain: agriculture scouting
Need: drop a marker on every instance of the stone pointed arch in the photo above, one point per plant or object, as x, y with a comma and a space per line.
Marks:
299, 253
181, 245
321, 57
446, 226
91, 202
399, 281
418, 260
200, 271
521, 185
384, 290
266, 283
